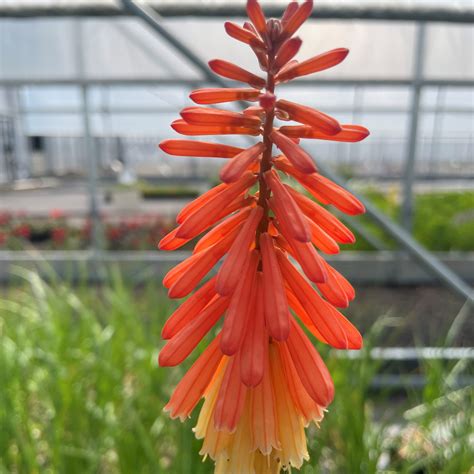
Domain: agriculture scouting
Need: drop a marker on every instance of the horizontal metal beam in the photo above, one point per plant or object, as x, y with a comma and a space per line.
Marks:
362, 268
412, 353
388, 11
413, 382
117, 109
198, 82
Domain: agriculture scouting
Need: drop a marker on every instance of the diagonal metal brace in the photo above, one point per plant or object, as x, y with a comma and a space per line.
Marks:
426, 258
154, 20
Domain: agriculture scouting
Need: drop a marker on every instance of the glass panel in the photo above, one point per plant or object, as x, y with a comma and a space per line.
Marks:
50, 96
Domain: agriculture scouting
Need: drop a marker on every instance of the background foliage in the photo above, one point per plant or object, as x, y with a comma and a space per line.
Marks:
443, 221
82, 393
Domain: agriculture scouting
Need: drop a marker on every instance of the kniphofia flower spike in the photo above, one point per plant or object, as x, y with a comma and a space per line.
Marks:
261, 378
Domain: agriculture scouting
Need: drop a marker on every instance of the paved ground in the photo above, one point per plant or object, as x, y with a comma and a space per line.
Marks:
415, 316
74, 200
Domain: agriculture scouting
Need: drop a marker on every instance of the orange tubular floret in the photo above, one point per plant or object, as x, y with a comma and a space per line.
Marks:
298, 157
248, 26
318, 63
322, 240
192, 386
290, 423
342, 281
333, 193
288, 50
240, 202
234, 169
196, 203
242, 303
256, 16
243, 35
181, 345
178, 147
313, 374
189, 309
331, 224
230, 273
254, 110
206, 116
208, 213
336, 330
262, 58
282, 244
323, 189
236, 73
255, 341
308, 408
337, 290
308, 116
298, 226
178, 270
333, 291
276, 305
303, 252
184, 128
298, 309
231, 398
289, 11
348, 133
221, 230
288, 65
297, 18
185, 276
217, 96
171, 242
262, 406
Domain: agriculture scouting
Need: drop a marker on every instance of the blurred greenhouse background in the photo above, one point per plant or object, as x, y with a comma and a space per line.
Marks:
87, 91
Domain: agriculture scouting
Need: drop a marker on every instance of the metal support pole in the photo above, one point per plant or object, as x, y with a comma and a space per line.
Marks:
358, 105
437, 127
91, 156
90, 148
409, 175
417, 251
20, 144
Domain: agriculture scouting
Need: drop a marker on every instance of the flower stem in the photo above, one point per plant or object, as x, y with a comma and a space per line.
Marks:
266, 163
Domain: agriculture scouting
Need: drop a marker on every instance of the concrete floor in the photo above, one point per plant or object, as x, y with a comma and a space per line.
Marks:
74, 201
73, 197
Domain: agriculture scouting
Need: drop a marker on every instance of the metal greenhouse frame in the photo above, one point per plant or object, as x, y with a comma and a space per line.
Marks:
152, 12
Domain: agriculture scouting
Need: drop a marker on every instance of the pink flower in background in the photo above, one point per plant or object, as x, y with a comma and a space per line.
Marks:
59, 235
56, 214
22, 230
5, 218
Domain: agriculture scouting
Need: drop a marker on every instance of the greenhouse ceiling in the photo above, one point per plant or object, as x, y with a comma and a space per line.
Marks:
429, 10
123, 49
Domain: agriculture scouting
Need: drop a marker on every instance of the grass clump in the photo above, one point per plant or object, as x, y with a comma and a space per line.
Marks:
82, 393
442, 221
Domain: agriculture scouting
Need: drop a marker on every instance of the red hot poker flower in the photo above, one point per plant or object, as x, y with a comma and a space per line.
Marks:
261, 378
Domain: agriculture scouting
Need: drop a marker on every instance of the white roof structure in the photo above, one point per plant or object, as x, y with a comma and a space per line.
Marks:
51, 49
137, 80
